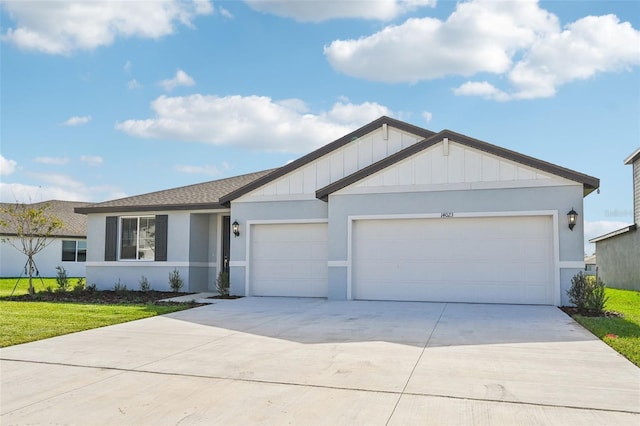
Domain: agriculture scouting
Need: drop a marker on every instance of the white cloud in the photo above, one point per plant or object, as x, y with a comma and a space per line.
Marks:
56, 161
427, 116
225, 13
207, 170
181, 79
516, 40
61, 27
57, 187
91, 160
593, 229
127, 67
316, 11
255, 122
133, 84
77, 121
7, 166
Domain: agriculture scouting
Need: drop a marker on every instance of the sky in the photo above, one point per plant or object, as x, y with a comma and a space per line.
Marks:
106, 99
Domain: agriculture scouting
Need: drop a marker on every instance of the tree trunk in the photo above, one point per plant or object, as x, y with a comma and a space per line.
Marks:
31, 289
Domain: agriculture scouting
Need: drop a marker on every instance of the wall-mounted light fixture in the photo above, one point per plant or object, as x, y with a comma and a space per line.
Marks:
573, 218
235, 227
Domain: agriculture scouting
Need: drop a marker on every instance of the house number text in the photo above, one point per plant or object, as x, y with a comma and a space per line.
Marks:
446, 214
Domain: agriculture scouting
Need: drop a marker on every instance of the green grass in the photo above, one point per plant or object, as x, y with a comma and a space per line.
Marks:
622, 334
7, 285
22, 322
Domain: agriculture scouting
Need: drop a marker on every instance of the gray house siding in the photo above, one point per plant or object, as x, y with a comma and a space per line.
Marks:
619, 260
560, 199
636, 192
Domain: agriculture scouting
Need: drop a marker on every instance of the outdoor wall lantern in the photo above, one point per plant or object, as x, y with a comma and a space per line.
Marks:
573, 218
235, 226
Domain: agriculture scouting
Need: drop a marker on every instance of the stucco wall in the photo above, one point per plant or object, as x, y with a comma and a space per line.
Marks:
619, 260
636, 192
12, 261
191, 249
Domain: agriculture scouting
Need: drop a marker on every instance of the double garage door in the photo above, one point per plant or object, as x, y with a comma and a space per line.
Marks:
483, 260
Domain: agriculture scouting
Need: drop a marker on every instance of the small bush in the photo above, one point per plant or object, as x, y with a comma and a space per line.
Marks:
587, 293
92, 288
175, 281
144, 284
119, 287
78, 287
61, 279
222, 284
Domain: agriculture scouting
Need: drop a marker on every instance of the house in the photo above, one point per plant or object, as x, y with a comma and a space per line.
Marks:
590, 267
68, 246
619, 251
390, 211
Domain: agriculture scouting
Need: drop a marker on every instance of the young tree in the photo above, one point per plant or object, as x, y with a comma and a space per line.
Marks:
32, 225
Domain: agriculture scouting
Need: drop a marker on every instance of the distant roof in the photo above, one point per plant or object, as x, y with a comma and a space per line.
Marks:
589, 183
199, 196
590, 260
74, 224
615, 233
635, 156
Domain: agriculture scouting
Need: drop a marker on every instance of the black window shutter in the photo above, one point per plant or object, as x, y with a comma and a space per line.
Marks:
161, 238
111, 238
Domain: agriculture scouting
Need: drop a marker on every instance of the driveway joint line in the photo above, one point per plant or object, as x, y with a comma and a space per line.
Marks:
311, 385
416, 364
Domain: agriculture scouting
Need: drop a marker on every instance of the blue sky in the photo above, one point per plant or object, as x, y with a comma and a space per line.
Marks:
101, 100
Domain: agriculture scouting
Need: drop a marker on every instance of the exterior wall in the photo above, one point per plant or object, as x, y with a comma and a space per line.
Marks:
245, 213
619, 260
192, 249
559, 199
13, 261
636, 192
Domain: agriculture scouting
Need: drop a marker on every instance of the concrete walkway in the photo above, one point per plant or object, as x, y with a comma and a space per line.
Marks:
306, 361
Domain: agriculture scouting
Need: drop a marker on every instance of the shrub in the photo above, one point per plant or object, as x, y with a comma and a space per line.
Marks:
175, 281
222, 284
79, 285
119, 287
587, 294
61, 279
92, 288
144, 284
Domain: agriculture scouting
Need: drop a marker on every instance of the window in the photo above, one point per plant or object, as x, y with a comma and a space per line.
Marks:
74, 251
137, 238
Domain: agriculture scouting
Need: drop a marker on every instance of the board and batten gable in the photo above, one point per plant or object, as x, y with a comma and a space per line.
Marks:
302, 183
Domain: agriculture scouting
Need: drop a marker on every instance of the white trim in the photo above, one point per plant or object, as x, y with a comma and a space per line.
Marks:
238, 263
309, 196
457, 215
149, 264
571, 264
219, 242
338, 263
248, 225
454, 186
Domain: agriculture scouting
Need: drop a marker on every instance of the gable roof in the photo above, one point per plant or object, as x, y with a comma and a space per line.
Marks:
635, 156
192, 197
74, 224
338, 143
589, 183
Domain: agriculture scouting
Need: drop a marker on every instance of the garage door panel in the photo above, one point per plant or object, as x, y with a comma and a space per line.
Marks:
289, 260
498, 260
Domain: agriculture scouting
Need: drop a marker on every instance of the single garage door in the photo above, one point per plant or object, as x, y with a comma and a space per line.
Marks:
289, 260
482, 260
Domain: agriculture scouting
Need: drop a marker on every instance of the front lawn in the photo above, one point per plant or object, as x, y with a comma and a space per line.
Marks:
30, 319
622, 334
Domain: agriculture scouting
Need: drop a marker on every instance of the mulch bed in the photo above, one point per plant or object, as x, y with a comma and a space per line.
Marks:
225, 297
107, 297
571, 311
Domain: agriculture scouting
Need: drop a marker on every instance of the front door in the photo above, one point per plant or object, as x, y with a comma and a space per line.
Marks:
226, 242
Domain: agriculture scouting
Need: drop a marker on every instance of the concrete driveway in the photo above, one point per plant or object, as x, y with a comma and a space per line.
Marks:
306, 361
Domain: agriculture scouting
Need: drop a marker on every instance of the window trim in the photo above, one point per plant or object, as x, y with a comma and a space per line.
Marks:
76, 250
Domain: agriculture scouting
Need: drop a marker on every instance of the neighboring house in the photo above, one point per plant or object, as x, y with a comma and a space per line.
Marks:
390, 211
619, 251
590, 265
68, 246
